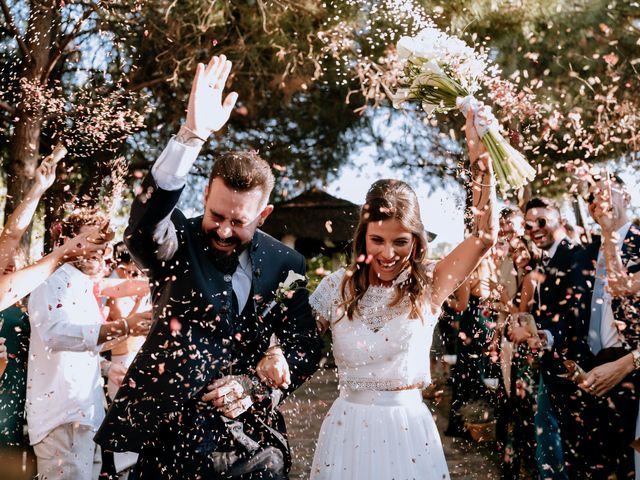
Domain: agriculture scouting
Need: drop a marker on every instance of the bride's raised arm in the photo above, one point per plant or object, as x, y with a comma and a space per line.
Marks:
453, 269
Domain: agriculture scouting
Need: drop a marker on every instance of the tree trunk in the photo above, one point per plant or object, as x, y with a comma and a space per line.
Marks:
25, 141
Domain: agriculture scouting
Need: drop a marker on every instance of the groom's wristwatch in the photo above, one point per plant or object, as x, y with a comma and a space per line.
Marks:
636, 359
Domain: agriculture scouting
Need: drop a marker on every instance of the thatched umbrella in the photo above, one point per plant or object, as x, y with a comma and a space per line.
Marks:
314, 222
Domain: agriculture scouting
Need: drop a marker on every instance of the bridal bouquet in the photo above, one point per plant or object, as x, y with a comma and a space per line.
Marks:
443, 73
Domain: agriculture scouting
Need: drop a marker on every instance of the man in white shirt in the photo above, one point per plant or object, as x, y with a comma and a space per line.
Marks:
65, 399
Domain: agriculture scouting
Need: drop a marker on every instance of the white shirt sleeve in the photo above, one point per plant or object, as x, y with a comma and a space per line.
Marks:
47, 314
171, 169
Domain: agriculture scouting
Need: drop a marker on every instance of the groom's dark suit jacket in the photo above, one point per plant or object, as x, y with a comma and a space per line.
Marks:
197, 335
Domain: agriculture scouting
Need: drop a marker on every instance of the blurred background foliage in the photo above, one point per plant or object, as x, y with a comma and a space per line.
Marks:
112, 78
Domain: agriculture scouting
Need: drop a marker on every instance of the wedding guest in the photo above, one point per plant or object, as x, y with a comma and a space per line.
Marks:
476, 326
511, 230
65, 399
15, 328
123, 352
614, 331
518, 361
559, 308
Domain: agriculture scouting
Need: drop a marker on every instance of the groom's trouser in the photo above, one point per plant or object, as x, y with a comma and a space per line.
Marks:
160, 464
199, 443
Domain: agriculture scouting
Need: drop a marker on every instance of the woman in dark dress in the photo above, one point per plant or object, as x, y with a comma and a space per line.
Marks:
15, 330
473, 300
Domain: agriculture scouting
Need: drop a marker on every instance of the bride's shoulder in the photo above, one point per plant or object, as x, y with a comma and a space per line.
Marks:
332, 281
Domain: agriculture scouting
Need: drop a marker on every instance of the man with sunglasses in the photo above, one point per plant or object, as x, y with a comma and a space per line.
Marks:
614, 329
560, 310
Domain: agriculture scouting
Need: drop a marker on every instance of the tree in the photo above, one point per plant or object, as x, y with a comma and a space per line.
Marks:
111, 78
49, 88
89, 72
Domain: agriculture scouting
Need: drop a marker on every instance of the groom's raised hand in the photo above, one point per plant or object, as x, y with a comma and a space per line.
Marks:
207, 112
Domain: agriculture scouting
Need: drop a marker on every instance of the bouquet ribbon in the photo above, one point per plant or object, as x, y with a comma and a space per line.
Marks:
483, 119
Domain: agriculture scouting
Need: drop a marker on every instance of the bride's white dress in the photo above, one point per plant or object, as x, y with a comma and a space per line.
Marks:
372, 432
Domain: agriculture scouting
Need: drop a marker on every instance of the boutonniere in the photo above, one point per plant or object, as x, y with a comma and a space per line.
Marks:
286, 290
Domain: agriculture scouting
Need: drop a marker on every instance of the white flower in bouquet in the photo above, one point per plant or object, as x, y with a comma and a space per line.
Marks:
443, 73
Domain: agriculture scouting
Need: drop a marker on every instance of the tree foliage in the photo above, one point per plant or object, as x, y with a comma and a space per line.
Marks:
111, 78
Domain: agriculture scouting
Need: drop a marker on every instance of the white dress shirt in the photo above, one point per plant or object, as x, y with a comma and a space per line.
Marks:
172, 168
63, 375
170, 172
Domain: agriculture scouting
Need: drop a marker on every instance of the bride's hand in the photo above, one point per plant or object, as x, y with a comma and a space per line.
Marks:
273, 369
478, 155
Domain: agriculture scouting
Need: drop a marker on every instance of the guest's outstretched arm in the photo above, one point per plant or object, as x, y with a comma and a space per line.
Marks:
21, 217
17, 285
620, 281
453, 269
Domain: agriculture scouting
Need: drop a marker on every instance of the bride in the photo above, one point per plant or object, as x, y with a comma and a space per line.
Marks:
382, 310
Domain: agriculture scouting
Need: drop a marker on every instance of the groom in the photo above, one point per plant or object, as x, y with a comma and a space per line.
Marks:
190, 403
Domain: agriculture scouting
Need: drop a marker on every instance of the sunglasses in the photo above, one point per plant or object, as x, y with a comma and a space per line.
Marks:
541, 222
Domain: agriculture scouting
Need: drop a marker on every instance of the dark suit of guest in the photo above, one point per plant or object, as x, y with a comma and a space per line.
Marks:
561, 307
610, 422
197, 337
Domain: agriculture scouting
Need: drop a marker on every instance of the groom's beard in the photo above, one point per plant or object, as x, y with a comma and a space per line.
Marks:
225, 262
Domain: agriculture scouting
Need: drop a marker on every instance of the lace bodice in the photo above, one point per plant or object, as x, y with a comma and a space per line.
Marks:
381, 348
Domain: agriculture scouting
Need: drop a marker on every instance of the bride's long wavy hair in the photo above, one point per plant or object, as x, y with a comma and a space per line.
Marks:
386, 200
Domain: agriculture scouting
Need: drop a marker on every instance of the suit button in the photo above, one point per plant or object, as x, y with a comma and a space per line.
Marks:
227, 278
